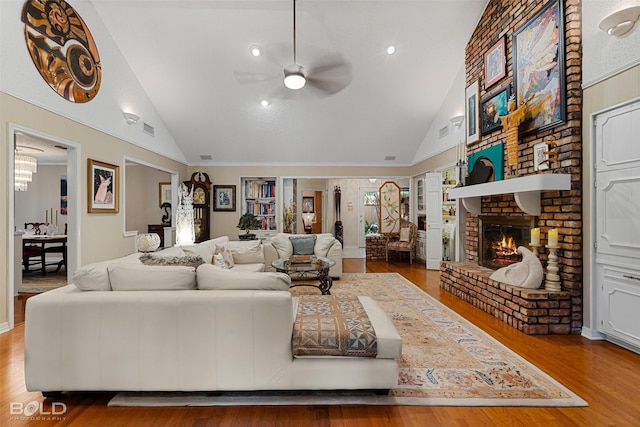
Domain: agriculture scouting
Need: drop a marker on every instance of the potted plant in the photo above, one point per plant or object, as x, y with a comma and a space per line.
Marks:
248, 222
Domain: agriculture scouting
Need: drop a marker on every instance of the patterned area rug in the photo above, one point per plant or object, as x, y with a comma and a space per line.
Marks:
445, 361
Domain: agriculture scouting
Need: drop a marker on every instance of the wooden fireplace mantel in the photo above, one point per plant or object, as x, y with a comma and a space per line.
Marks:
526, 191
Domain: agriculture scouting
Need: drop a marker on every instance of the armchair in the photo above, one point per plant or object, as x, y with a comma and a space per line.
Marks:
405, 241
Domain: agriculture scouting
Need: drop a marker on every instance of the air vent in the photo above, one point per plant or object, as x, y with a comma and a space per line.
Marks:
390, 157
148, 129
444, 131
206, 157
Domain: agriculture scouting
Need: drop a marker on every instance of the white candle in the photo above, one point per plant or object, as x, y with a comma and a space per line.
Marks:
46, 216
535, 236
553, 237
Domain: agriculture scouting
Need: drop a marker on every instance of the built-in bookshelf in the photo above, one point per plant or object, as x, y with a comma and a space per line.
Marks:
259, 198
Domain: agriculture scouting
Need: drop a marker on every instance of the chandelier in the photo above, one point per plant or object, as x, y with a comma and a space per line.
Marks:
24, 168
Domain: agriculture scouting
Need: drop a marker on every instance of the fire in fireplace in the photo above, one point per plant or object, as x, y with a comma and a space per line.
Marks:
500, 237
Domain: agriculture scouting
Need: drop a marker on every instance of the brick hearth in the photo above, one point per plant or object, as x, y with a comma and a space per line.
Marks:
532, 311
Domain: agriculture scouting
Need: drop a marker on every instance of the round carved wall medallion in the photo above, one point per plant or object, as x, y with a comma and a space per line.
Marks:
62, 49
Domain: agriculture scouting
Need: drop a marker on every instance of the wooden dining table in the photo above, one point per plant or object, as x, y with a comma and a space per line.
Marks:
43, 241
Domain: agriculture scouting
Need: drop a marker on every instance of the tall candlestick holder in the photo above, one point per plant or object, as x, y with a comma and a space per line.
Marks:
552, 279
534, 248
460, 164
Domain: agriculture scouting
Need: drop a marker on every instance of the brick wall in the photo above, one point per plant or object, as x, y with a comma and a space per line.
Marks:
560, 209
532, 311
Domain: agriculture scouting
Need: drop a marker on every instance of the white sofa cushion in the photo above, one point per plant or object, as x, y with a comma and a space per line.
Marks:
172, 251
205, 251
256, 268
282, 244
95, 277
324, 242
214, 278
246, 252
125, 277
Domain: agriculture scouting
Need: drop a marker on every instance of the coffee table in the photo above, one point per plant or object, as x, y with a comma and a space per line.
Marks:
317, 269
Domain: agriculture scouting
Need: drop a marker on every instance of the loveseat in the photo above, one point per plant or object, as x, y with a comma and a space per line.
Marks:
128, 326
323, 245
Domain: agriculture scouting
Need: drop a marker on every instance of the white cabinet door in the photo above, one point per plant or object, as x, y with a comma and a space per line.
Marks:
617, 235
434, 220
618, 213
619, 303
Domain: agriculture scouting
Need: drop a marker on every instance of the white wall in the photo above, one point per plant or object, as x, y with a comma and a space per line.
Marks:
452, 106
142, 196
120, 90
604, 55
43, 194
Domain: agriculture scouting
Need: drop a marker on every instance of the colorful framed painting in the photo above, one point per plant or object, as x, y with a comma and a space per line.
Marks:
390, 219
472, 106
224, 198
492, 107
539, 68
495, 63
103, 183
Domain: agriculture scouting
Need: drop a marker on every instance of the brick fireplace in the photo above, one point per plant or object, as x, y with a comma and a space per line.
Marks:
530, 311
500, 237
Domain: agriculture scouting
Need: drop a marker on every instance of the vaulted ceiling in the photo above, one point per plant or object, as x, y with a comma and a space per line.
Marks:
361, 105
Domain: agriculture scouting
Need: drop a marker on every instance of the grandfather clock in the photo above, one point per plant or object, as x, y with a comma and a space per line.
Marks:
201, 204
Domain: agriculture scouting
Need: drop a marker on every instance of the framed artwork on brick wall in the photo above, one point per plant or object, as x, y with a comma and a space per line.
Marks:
539, 68
492, 107
495, 63
472, 107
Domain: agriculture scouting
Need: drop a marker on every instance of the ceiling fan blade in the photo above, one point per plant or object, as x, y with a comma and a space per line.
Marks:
329, 75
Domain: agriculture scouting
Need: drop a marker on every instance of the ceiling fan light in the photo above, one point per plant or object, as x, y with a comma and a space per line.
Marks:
294, 80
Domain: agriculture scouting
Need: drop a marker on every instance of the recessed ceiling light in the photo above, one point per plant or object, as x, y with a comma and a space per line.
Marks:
255, 50
391, 50
264, 103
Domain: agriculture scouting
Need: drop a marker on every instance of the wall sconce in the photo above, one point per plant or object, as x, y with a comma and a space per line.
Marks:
457, 121
621, 22
130, 118
372, 180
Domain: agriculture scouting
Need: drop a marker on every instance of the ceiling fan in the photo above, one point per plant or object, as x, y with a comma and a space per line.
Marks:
327, 75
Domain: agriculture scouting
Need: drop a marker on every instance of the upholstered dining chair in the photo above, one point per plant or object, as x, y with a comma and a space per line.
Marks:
32, 254
59, 249
404, 241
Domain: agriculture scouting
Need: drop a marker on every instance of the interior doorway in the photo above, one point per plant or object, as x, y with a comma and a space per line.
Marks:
53, 197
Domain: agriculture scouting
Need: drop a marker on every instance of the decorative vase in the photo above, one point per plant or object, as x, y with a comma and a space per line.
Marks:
147, 242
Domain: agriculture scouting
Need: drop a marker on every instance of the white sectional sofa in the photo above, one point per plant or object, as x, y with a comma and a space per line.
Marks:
127, 326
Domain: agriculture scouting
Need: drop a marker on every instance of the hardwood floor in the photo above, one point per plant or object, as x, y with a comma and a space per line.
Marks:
605, 375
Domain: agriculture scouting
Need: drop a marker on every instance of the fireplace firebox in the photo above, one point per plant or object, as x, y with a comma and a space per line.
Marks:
500, 237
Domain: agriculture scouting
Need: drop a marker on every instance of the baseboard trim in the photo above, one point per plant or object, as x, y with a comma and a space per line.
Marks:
4, 327
591, 334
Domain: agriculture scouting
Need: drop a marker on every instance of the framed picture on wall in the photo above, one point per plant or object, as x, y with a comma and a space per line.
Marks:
472, 95
492, 107
308, 205
224, 198
104, 187
495, 63
539, 68
164, 195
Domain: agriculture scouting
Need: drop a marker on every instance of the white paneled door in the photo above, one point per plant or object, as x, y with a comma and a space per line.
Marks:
434, 220
617, 224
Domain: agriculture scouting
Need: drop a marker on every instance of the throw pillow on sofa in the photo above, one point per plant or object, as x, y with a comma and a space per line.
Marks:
227, 256
186, 260
204, 251
218, 261
303, 245
246, 252
124, 277
95, 277
210, 277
